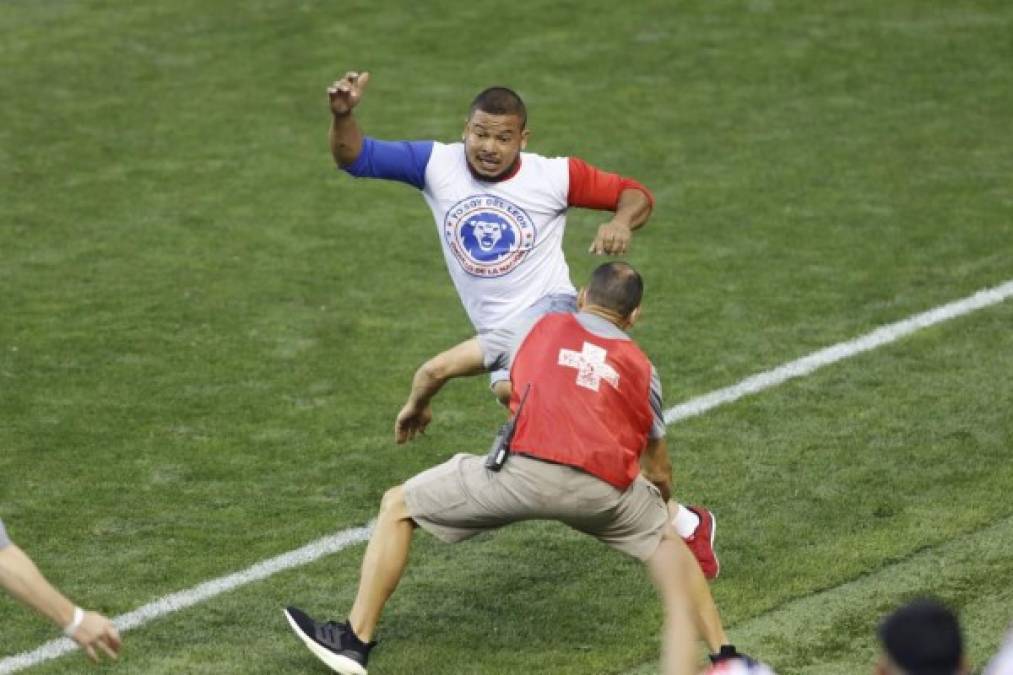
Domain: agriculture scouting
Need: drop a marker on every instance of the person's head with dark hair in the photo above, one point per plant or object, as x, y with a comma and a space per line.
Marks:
615, 290
921, 638
495, 133
500, 101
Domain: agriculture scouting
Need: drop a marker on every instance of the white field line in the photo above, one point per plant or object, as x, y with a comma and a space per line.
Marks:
337, 542
842, 350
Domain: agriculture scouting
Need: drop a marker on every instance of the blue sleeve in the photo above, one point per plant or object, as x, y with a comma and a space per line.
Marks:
4, 541
393, 160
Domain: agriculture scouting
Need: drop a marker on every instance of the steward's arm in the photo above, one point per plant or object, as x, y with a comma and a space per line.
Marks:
656, 466
654, 461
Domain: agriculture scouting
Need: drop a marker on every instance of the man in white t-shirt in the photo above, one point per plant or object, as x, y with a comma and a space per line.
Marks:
500, 213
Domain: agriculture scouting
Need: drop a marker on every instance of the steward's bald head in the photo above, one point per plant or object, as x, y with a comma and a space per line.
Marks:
615, 286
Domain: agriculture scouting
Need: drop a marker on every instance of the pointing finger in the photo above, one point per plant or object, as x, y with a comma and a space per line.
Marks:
362, 81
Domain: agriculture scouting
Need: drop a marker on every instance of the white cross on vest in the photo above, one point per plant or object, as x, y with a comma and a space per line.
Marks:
591, 366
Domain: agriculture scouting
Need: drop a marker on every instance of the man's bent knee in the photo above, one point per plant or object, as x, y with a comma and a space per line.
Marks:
393, 505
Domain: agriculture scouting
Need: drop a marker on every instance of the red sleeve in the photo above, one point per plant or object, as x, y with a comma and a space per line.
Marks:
592, 188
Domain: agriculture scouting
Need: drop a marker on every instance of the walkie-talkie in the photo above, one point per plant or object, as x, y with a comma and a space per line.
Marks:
500, 449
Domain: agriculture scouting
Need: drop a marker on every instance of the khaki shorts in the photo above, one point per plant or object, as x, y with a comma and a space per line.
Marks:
461, 498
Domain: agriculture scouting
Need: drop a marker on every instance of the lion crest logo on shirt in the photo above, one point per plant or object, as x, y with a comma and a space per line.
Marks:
489, 236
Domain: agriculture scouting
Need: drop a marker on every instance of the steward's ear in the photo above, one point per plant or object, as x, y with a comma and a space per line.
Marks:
633, 317
524, 138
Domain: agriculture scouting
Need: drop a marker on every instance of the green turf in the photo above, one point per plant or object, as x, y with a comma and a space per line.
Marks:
207, 332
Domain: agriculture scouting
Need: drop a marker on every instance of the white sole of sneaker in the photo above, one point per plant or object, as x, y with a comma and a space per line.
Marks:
336, 662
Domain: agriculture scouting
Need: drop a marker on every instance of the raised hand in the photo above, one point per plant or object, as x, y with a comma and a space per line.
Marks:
345, 94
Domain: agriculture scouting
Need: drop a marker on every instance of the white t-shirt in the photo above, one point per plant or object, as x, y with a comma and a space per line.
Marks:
502, 241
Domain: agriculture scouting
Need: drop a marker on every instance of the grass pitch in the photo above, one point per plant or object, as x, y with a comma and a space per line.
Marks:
207, 332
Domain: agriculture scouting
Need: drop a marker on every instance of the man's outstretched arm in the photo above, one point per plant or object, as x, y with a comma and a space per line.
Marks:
462, 360
365, 157
345, 135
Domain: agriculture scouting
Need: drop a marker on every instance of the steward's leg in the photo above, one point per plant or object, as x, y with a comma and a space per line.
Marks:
383, 564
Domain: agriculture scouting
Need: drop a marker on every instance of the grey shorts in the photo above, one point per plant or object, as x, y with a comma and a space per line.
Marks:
4, 541
559, 302
461, 498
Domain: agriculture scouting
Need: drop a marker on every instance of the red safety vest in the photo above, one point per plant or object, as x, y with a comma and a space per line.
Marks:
589, 402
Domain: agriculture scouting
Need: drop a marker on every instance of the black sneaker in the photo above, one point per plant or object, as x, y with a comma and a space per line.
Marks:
729, 653
336, 644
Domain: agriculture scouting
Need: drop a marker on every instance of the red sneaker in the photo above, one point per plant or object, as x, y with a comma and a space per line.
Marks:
701, 542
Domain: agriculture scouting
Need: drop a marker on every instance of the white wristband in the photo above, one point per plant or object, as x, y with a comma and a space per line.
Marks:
75, 623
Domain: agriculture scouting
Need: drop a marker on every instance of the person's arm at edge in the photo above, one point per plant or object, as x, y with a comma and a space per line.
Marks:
22, 579
464, 359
